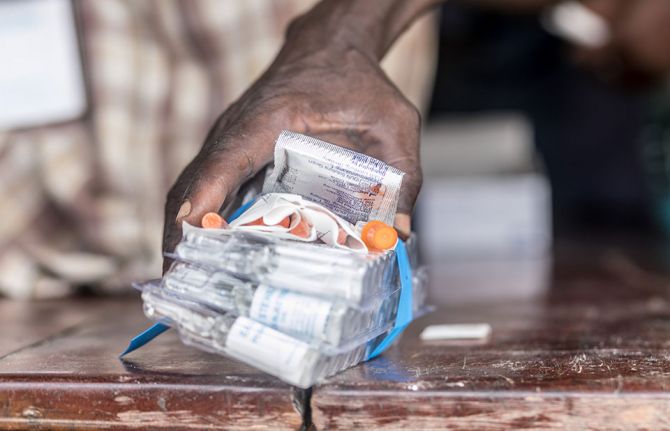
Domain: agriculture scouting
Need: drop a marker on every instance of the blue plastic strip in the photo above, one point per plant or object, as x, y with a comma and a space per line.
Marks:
158, 328
238, 212
144, 337
405, 307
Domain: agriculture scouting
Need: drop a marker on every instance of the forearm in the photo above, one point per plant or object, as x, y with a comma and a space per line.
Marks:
367, 26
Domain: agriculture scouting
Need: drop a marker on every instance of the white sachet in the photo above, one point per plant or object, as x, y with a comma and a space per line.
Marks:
321, 223
352, 185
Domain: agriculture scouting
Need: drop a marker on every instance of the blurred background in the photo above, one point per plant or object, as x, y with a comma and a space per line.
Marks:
541, 118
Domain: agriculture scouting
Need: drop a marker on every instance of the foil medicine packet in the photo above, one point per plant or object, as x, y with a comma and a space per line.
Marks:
352, 185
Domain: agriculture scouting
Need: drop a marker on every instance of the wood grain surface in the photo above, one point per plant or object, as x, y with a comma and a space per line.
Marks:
592, 353
72, 378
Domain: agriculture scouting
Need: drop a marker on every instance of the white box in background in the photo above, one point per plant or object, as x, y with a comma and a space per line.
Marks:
486, 239
484, 213
485, 217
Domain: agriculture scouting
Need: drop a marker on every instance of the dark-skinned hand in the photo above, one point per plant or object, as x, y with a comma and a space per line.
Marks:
331, 88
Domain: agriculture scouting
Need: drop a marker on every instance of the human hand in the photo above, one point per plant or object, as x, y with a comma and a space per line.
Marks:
638, 51
335, 91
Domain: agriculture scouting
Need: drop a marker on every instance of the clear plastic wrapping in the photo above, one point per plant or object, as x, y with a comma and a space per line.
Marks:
306, 317
291, 285
294, 360
309, 268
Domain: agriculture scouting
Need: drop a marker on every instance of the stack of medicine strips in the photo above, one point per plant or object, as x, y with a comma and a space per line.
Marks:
289, 286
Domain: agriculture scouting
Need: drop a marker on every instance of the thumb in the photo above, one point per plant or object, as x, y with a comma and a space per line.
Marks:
200, 189
205, 197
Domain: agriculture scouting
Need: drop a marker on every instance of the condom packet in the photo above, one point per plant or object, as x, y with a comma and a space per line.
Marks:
356, 187
289, 216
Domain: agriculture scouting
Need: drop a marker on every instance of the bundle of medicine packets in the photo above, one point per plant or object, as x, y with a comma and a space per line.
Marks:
312, 315
300, 338
298, 308
288, 356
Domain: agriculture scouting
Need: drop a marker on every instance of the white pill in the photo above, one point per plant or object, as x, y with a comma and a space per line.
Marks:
462, 331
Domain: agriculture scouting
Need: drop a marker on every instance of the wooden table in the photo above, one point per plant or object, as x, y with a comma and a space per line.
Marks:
60, 370
594, 353
591, 354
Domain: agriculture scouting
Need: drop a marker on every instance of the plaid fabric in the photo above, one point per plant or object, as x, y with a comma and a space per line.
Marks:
82, 202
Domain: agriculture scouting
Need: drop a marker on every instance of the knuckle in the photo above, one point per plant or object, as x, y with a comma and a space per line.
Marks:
413, 115
409, 114
415, 177
419, 178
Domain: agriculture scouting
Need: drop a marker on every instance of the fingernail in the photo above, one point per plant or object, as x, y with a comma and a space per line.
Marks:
184, 210
403, 224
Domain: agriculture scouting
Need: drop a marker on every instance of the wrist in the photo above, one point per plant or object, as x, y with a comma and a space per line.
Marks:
339, 26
